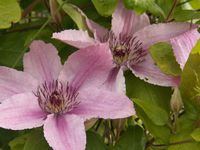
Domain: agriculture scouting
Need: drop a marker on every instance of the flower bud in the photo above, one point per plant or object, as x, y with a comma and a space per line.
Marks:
176, 101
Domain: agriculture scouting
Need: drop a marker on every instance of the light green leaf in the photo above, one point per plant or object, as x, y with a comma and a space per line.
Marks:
95, 142
36, 141
190, 79
5, 137
156, 114
196, 49
195, 4
132, 139
10, 12
196, 134
185, 15
159, 96
75, 14
165, 5
105, 7
156, 95
163, 56
186, 143
19, 142
141, 6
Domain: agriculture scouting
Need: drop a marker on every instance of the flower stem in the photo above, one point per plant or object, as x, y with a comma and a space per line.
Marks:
34, 36
173, 143
172, 10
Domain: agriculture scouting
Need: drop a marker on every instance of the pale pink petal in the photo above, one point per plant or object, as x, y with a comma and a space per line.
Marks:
76, 38
14, 82
148, 71
183, 44
88, 66
162, 32
65, 132
127, 21
99, 32
115, 81
42, 62
100, 103
21, 111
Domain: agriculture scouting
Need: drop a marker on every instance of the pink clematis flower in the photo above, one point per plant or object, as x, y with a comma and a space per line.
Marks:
60, 98
131, 36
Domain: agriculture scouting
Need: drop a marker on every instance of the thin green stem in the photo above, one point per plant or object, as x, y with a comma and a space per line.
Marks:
173, 143
34, 36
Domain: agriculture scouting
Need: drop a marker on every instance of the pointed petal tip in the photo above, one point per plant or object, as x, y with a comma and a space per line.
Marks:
183, 44
127, 21
76, 38
42, 61
151, 73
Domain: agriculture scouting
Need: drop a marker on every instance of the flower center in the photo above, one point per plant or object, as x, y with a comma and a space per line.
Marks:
126, 48
56, 98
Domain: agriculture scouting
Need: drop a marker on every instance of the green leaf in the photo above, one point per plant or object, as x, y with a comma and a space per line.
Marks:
158, 96
161, 134
10, 12
196, 49
94, 141
105, 7
36, 141
195, 4
185, 15
5, 137
18, 142
141, 6
165, 6
182, 137
186, 143
196, 134
156, 10
12, 45
156, 114
162, 54
190, 79
75, 14
132, 139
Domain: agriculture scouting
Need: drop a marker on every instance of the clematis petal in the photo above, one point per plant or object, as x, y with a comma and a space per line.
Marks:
101, 103
115, 81
65, 132
76, 38
42, 62
21, 111
88, 66
127, 21
162, 32
149, 72
99, 31
183, 44
14, 82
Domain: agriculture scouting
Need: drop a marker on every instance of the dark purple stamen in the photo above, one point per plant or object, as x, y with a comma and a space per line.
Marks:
126, 48
55, 97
